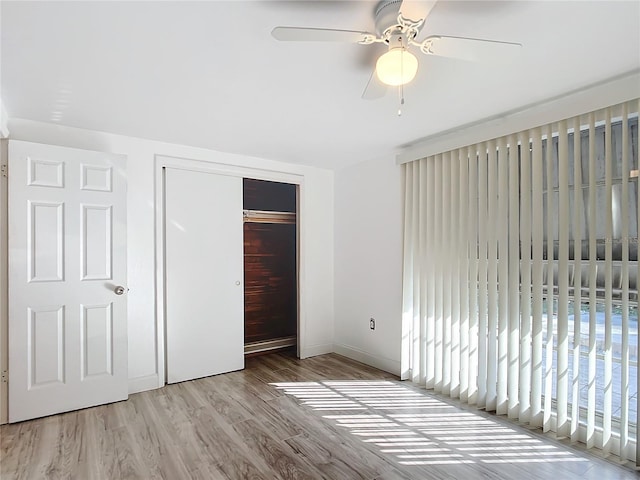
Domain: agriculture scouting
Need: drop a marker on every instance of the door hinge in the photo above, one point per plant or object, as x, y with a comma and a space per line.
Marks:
4, 376
4, 171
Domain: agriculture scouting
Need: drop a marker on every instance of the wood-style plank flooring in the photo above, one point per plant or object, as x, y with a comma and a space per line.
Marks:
282, 418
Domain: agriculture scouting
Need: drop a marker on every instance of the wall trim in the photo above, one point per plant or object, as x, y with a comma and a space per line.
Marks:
142, 384
612, 91
315, 350
4, 121
385, 364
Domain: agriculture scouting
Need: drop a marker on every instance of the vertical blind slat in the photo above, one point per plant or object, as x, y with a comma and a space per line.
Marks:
446, 272
538, 238
563, 282
463, 235
415, 241
513, 265
455, 284
473, 254
439, 277
591, 380
492, 279
637, 379
407, 269
482, 276
424, 255
577, 277
548, 344
431, 274
624, 351
525, 281
507, 364
608, 282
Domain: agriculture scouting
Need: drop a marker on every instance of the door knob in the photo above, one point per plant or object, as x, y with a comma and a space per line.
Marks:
238, 282
119, 290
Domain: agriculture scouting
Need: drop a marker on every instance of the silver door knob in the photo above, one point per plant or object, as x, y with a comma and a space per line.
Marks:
238, 282
119, 290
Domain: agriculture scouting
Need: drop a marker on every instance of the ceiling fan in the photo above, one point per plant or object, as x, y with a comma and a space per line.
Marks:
398, 23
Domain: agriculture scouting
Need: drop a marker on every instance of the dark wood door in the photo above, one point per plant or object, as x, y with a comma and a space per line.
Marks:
270, 293
270, 273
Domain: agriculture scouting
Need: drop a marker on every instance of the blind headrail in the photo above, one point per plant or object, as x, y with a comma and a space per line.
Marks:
592, 98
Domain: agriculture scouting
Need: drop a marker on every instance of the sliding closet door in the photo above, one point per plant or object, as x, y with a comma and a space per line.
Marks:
204, 274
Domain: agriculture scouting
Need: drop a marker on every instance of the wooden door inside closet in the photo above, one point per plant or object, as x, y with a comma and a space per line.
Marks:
270, 265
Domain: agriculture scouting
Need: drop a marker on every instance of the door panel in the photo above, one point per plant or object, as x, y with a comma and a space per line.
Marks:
45, 241
97, 338
67, 252
96, 247
204, 278
46, 346
270, 299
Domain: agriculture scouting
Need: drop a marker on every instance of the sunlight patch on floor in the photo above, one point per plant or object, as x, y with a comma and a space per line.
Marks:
433, 433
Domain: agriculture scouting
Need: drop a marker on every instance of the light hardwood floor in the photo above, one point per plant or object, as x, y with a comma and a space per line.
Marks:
283, 418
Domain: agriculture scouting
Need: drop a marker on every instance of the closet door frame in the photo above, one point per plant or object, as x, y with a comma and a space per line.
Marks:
161, 162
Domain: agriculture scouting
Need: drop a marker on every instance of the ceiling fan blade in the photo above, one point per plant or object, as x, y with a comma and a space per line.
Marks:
415, 11
302, 34
471, 49
375, 88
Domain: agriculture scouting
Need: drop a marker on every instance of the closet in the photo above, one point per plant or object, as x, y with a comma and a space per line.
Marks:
270, 266
230, 270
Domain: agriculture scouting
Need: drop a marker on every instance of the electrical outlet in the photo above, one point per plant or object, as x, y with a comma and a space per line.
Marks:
372, 323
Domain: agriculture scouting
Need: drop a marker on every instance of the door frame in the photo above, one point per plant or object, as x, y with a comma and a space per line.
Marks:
163, 161
4, 282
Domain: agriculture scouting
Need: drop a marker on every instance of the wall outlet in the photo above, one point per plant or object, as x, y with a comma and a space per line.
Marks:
372, 323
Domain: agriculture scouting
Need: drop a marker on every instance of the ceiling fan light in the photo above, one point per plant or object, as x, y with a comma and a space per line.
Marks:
397, 67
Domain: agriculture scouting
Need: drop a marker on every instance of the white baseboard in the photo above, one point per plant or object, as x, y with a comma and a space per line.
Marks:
386, 364
142, 384
313, 350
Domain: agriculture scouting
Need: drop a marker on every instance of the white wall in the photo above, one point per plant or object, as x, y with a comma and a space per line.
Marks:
316, 249
368, 262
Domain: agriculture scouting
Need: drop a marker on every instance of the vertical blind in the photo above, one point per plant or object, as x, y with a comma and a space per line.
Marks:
521, 276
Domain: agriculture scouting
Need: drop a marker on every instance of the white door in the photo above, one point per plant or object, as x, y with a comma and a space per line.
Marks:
203, 274
67, 256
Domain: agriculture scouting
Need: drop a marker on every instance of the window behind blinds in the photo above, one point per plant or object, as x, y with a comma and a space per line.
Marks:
521, 276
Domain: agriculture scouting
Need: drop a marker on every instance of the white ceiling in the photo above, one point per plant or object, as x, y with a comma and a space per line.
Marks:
209, 74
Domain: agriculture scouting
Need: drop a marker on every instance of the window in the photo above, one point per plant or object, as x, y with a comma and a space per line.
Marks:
508, 243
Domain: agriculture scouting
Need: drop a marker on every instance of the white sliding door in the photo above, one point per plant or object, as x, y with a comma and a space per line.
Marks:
203, 274
67, 279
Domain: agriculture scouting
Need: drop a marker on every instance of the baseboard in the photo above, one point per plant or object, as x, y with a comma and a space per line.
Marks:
386, 364
313, 350
142, 384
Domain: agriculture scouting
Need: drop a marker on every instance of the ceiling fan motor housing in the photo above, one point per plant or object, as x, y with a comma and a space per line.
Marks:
387, 12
